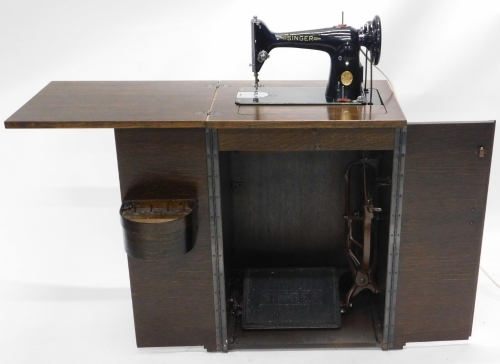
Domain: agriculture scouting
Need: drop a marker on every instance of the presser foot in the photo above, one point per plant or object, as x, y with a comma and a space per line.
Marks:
256, 87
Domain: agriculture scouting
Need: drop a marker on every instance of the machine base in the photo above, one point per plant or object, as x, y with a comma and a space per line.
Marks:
296, 96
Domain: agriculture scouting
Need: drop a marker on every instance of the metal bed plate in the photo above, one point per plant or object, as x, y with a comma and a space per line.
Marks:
293, 96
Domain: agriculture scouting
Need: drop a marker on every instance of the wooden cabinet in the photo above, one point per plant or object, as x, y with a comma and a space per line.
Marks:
268, 182
445, 191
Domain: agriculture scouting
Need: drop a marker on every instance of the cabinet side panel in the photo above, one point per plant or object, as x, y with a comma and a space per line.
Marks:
173, 299
446, 185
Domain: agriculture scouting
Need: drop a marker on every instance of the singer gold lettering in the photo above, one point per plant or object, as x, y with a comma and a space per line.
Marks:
299, 38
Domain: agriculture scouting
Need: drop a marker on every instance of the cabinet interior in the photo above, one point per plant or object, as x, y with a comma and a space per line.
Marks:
285, 210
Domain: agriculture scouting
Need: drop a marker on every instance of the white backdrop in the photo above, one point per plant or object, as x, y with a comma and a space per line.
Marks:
66, 298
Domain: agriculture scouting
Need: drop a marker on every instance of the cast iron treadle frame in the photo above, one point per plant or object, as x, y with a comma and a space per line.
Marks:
291, 298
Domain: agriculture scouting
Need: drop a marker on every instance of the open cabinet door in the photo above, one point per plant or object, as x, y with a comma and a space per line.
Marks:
445, 189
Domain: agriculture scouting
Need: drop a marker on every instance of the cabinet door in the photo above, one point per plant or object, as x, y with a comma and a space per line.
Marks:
444, 202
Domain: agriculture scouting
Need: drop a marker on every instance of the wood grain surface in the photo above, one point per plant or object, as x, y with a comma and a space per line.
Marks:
225, 114
173, 298
288, 209
117, 104
287, 140
444, 202
186, 104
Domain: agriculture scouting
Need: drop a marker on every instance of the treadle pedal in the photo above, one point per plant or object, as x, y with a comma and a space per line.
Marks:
291, 298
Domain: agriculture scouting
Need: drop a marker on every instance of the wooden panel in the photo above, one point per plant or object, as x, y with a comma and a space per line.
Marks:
185, 104
173, 298
288, 209
130, 104
282, 140
444, 202
226, 114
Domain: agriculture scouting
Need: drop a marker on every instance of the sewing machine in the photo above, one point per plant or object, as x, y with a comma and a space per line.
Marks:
214, 194
346, 83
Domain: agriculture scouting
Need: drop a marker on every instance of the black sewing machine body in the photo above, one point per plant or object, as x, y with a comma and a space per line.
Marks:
342, 43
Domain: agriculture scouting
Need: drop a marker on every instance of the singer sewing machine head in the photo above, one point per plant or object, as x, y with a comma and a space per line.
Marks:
343, 43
